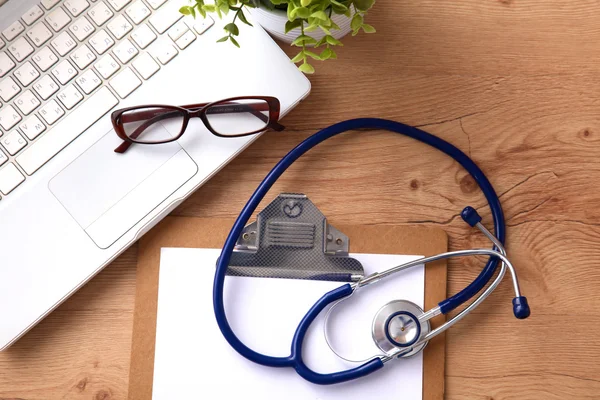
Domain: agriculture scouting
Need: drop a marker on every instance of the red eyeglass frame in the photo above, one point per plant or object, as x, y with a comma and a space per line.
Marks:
193, 111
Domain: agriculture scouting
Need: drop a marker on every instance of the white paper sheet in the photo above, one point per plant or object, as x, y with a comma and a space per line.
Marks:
193, 360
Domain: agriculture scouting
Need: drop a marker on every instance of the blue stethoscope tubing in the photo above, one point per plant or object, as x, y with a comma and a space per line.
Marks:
294, 360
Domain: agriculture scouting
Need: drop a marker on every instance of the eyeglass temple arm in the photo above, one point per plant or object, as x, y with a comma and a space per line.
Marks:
122, 148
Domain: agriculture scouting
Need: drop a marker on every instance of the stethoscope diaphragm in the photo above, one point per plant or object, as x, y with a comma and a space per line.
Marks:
396, 325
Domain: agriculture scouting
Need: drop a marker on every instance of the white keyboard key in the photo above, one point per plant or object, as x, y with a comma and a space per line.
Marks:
137, 11
2, 43
202, 25
13, 30
69, 97
163, 50
119, 26
156, 3
58, 19
145, 65
63, 43
107, 66
10, 178
48, 4
76, 7
26, 73
82, 28
3, 157
27, 102
100, 13
125, 82
143, 36
185, 40
118, 4
166, 17
44, 59
101, 41
83, 56
32, 127
32, 15
67, 130
39, 34
6, 64
8, 88
64, 72
20, 49
177, 30
125, 51
51, 112
88, 81
45, 87
9, 117
13, 142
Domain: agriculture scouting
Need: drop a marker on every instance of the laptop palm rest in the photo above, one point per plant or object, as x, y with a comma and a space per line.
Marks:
108, 193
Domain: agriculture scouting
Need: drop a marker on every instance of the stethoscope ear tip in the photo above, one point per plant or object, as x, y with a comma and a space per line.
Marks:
470, 216
520, 307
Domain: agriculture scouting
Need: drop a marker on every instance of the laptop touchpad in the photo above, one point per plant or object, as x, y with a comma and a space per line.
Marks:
107, 193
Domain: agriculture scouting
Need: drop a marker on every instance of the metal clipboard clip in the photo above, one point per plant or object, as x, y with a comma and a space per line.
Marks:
292, 239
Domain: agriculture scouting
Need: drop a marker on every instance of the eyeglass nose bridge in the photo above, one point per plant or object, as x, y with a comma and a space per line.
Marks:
197, 113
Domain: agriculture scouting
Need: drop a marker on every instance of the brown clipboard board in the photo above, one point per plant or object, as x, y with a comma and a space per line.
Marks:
211, 233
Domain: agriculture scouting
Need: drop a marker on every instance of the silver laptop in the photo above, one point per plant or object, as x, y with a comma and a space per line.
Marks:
68, 203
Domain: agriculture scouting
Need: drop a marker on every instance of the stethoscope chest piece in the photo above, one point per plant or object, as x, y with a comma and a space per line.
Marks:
396, 326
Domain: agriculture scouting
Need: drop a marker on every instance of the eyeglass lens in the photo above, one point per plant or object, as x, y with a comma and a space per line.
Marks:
152, 124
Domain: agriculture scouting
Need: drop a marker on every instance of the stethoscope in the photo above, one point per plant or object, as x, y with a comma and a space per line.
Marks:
400, 328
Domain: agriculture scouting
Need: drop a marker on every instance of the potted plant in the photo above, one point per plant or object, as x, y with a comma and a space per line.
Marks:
302, 23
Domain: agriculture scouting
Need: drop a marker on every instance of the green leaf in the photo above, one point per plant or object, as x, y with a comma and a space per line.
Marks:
303, 40
305, 3
363, 5
368, 28
326, 54
307, 68
224, 6
325, 30
202, 12
289, 25
336, 4
357, 22
333, 54
321, 41
310, 28
223, 39
186, 10
319, 15
209, 7
312, 55
299, 57
234, 41
232, 28
333, 41
242, 18
302, 12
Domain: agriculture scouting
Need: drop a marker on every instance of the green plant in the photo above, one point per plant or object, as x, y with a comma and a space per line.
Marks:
308, 15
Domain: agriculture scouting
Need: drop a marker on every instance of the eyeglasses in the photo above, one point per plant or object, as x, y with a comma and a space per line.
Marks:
233, 117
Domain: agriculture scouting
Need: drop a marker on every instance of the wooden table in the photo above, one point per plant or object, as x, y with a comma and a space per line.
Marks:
513, 83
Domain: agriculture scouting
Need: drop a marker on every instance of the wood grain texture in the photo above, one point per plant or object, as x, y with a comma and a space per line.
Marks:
513, 83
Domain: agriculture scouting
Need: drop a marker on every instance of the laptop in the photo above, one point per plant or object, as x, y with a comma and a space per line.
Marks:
69, 204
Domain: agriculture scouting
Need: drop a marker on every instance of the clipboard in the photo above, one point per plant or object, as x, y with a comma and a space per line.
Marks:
212, 232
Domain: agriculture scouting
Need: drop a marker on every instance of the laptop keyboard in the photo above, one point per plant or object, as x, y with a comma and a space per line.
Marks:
67, 58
